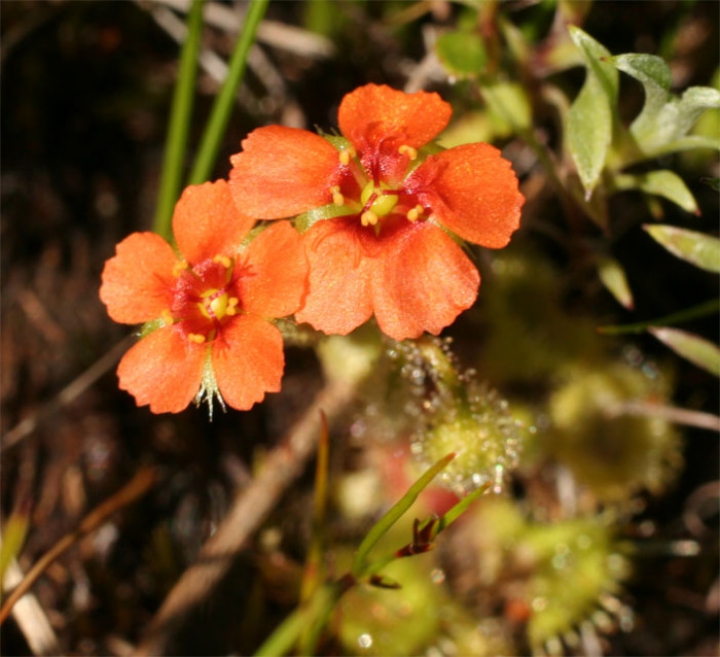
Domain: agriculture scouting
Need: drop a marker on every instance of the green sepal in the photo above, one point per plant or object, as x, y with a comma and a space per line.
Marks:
150, 327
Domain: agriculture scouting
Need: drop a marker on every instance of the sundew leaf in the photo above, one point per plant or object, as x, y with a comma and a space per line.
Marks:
660, 183
590, 120
612, 276
696, 248
697, 350
461, 53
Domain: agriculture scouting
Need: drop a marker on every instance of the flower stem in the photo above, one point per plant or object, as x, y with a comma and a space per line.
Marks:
222, 108
179, 126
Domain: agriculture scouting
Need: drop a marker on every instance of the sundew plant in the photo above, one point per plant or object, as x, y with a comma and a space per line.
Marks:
338, 327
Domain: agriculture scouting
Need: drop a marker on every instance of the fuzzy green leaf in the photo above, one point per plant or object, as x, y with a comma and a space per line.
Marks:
660, 183
696, 248
612, 276
590, 120
461, 53
665, 119
656, 78
697, 350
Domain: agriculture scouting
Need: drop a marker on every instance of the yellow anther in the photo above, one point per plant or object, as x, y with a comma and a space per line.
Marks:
338, 198
409, 151
415, 213
346, 155
368, 218
222, 260
179, 268
166, 318
233, 301
218, 306
197, 338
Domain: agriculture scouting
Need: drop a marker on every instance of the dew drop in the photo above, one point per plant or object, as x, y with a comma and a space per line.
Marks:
437, 576
365, 640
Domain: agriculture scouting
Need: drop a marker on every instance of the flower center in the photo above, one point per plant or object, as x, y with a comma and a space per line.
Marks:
205, 299
377, 202
217, 304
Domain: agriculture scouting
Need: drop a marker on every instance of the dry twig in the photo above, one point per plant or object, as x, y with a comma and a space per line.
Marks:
250, 508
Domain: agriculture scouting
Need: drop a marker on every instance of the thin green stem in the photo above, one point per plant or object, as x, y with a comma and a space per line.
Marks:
381, 527
305, 617
179, 126
215, 129
696, 312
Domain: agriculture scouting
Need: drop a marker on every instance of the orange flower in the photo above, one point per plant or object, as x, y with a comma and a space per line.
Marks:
384, 205
212, 304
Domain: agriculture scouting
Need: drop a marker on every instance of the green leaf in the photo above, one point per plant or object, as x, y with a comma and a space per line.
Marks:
697, 350
225, 100
179, 124
612, 276
13, 538
665, 119
661, 183
656, 78
461, 53
692, 104
458, 509
508, 103
696, 248
687, 143
712, 183
393, 515
590, 120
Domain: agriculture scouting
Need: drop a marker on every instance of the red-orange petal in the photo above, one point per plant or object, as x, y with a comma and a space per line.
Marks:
473, 191
424, 281
163, 370
137, 282
207, 223
282, 172
338, 299
273, 276
377, 113
248, 361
